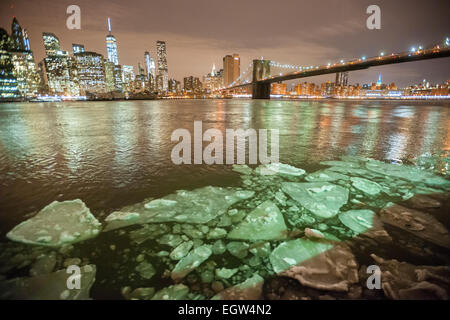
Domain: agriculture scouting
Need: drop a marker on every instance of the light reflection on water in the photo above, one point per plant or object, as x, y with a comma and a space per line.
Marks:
110, 154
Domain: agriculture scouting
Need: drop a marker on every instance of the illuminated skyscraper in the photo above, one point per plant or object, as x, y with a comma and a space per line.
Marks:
91, 72
26, 40
379, 80
150, 67
162, 66
8, 82
231, 68
23, 61
111, 46
18, 40
76, 48
60, 71
51, 43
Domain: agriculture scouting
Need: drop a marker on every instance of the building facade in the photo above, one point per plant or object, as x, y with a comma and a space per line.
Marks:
231, 69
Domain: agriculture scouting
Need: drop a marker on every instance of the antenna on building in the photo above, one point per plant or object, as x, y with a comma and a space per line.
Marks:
109, 25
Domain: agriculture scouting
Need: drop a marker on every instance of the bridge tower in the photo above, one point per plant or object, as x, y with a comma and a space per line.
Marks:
261, 71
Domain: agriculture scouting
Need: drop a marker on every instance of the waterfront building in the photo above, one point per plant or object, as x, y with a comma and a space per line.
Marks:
150, 68
279, 88
231, 68
192, 85
162, 66
111, 46
91, 72
213, 81
8, 82
77, 48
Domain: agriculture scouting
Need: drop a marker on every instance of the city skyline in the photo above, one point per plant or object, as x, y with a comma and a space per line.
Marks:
191, 52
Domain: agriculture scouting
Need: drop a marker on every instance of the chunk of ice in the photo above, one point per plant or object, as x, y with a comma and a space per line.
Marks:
264, 223
57, 224
191, 261
323, 199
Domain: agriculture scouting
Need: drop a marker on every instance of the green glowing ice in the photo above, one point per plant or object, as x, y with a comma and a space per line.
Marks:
264, 223
174, 292
146, 270
181, 251
410, 173
325, 176
281, 169
366, 186
357, 220
225, 273
197, 206
191, 261
291, 253
323, 199
57, 224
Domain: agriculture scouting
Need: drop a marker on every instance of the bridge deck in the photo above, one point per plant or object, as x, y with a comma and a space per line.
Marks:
358, 64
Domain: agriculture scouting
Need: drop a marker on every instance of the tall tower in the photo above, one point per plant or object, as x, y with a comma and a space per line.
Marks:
17, 36
162, 64
150, 66
51, 43
379, 80
111, 46
231, 68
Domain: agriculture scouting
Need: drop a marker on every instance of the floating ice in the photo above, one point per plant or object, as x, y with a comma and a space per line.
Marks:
174, 292
250, 289
197, 206
264, 223
279, 168
57, 224
242, 168
410, 173
325, 176
357, 220
323, 199
191, 261
118, 215
293, 252
225, 273
146, 270
181, 251
238, 249
366, 186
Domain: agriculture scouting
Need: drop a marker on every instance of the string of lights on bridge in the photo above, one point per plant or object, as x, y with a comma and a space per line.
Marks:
293, 69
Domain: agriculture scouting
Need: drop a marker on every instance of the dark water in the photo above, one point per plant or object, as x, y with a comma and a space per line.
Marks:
111, 154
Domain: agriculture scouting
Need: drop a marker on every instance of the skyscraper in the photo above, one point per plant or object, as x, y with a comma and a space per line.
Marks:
91, 72
162, 65
150, 67
8, 82
18, 40
111, 46
76, 48
51, 43
59, 67
231, 68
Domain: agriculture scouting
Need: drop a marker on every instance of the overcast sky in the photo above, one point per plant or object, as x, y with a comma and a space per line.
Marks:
200, 32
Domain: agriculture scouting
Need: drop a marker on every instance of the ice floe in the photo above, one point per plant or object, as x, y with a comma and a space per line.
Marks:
57, 224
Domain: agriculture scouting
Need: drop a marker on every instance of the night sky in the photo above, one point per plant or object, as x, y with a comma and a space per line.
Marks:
200, 32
